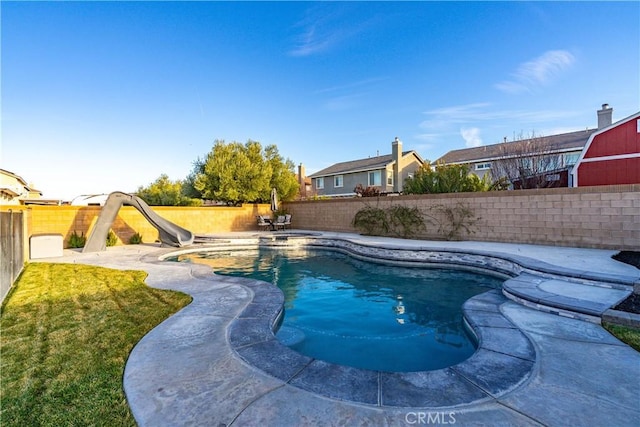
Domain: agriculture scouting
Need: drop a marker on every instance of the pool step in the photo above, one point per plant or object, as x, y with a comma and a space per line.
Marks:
569, 299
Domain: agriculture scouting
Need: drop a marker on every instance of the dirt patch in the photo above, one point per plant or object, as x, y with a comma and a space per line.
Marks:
632, 303
628, 257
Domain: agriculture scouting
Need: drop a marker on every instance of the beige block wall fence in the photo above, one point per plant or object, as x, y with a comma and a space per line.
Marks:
590, 217
65, 220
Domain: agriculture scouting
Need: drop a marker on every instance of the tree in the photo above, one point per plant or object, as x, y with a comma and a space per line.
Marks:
164, 192
445, 179
526, 161
235, 173
283, 176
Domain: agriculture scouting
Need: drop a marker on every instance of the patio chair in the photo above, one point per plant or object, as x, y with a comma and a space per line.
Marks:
280, 222
264, 222
287, 221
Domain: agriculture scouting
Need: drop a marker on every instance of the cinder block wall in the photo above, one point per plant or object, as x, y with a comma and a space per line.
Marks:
591, 217
200, 220
605, 217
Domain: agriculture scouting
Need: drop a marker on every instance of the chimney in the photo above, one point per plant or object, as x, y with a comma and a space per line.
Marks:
301, 181
604, 116
396, 154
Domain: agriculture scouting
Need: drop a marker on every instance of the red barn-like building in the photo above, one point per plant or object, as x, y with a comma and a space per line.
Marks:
611, 155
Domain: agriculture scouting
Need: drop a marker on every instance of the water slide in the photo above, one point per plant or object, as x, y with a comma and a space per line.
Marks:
170, 233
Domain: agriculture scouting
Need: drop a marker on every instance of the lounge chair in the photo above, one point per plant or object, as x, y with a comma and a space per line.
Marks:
287, 221
264, 222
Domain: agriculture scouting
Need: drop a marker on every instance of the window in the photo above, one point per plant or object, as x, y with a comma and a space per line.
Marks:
319, 183
390, 178
375, 178
338, 181
570, 159
483, 166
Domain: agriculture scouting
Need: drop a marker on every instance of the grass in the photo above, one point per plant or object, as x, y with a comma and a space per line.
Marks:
66, 333
630, 336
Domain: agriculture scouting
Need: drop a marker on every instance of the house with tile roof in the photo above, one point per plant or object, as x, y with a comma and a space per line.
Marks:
564, 150
385, 173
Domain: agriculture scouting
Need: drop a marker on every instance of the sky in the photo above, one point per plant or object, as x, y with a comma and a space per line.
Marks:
107, 96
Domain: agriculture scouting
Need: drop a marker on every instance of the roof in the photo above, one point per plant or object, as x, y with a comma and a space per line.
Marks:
13, 175
361, 165
571, 141
20, 181
593, 135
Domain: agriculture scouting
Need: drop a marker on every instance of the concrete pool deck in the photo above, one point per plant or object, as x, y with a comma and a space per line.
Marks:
186, 371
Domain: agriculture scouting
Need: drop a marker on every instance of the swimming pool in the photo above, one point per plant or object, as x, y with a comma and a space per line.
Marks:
361, 314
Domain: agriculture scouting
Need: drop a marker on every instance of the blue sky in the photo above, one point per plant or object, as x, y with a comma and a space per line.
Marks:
99, 97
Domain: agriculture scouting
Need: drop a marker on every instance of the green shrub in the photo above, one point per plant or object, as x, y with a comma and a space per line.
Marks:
112, 239
77, 241
397, 220
363, 191
456, 219
136, 239
372, 221
405, 221
448, 179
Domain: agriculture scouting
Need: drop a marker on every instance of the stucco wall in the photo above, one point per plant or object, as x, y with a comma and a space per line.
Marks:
590, 217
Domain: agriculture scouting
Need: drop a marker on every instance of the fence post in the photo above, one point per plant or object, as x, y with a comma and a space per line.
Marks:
26, 231
11, 252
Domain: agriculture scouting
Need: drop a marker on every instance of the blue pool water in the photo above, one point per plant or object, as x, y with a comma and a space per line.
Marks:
366, 315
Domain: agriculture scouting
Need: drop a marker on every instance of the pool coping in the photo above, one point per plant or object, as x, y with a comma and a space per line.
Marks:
489, 373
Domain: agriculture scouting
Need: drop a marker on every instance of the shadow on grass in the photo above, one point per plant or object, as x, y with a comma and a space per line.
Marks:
67, 331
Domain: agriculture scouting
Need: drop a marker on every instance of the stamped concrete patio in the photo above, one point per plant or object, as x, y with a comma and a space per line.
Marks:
193, 369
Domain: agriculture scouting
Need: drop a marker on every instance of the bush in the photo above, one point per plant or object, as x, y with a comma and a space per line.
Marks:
398, 220
136, 239
77, 241
362, 191
372, 221
112, 239
448, 179
456, 219
404, 221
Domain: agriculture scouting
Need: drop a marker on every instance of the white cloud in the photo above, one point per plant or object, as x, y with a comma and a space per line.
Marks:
472, 114
423, 147
324, 27
443, 118
471, 137
312, 41
470, 120
538, 72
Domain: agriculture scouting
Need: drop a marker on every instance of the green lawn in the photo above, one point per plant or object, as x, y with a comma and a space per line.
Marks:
66, 332
630, 336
